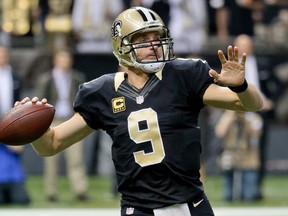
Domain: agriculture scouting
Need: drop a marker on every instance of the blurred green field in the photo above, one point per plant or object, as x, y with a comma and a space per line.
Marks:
275, 193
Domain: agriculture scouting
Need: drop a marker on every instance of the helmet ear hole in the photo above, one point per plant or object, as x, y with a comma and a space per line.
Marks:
124, 49
120, 51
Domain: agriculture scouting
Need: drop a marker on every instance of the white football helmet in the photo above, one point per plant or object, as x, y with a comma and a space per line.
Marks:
138, 20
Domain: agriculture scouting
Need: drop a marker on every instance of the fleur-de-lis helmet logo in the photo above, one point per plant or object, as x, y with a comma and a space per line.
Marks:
116, 28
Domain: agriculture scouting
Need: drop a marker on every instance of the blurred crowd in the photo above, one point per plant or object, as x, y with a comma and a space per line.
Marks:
83, 26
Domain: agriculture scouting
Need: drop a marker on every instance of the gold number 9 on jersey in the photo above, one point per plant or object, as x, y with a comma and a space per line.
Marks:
150, 133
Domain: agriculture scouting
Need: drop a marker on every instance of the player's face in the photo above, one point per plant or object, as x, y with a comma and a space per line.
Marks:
148, 46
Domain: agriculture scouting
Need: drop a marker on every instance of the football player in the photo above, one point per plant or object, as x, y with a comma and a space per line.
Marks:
151, 113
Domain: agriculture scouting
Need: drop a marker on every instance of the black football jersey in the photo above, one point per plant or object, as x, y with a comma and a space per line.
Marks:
156, 138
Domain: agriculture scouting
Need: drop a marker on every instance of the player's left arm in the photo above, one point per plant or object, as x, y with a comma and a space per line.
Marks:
238, 94
224, 98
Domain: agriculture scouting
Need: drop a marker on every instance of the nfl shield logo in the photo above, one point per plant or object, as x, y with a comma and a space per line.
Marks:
140, 99
130, 211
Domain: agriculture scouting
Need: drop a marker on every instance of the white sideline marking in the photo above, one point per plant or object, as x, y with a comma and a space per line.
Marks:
220, 211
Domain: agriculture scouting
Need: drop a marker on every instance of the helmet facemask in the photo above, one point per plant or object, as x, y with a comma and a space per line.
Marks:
162, 48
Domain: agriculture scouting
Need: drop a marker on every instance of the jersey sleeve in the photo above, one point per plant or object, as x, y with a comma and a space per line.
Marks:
194, 74
86, 100
200, 79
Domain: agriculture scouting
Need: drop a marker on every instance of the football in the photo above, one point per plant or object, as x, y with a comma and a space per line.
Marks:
25, 123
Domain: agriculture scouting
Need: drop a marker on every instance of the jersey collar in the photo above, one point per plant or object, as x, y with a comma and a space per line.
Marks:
120, 77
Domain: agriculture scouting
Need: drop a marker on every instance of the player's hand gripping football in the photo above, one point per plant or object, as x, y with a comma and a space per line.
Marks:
26, 122
233, 71
27, 99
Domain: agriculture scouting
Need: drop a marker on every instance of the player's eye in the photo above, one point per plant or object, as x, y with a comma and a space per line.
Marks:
142, 44
147, 43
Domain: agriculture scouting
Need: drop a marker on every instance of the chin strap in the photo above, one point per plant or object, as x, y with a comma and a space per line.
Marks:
152, 67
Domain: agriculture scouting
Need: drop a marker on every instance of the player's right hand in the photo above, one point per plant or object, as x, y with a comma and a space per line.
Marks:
27, 99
